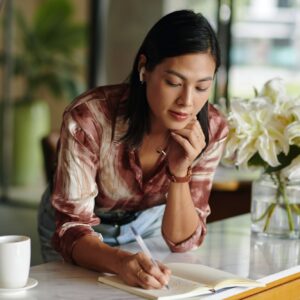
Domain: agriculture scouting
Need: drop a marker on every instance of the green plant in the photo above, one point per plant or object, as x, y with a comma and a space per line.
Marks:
46, 50
45, 59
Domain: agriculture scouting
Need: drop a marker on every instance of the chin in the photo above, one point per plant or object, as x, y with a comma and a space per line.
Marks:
176, 125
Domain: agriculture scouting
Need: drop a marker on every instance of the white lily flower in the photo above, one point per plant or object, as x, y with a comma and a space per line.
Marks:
266, 124
292, 133
267, 150
275, 90
292, 171
246, 151
295, 112
232, 145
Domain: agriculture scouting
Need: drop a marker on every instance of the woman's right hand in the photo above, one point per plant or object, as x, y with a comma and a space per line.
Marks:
139, 270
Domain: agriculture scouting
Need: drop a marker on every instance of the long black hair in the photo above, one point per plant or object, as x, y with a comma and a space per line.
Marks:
178, 33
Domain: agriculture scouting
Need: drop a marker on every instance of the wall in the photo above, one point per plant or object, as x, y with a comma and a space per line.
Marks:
127, 24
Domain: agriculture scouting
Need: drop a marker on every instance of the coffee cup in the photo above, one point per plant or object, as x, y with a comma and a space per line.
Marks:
15, 253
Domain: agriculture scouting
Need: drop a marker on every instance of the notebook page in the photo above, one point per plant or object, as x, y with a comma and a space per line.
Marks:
179, 288
200, 273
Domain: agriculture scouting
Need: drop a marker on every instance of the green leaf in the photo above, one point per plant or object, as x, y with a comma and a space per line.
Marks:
51, 15
47, 45
53, 26
256, 160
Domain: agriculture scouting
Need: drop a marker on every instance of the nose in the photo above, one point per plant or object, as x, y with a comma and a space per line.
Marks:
186, 97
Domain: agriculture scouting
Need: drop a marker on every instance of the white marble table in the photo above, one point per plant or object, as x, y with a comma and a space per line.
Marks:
229, 246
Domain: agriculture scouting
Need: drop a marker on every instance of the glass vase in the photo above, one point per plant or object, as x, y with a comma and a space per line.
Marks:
275, 206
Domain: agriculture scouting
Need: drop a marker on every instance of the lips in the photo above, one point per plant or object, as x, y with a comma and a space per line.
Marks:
179, 116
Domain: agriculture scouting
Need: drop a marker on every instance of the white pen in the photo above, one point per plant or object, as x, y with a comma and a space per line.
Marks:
144, 247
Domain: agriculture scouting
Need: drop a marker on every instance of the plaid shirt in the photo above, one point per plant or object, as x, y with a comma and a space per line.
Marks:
95, 172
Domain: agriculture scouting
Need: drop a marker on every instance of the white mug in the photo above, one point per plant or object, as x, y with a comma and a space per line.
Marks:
15, 253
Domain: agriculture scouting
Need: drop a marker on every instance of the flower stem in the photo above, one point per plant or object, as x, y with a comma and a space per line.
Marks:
270, 213
281, 200
265, 213
282, 189
296, 208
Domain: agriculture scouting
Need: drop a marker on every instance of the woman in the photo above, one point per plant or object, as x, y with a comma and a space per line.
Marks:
141, 154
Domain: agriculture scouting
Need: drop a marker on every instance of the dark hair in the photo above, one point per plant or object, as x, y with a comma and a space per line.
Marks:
178, 33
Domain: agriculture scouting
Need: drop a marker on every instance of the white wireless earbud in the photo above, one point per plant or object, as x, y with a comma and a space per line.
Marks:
142, 72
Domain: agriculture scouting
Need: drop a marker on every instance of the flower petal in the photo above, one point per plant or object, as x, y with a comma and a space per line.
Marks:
267, 150
292, 171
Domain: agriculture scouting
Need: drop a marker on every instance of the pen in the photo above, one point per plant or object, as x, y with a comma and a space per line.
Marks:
144, 247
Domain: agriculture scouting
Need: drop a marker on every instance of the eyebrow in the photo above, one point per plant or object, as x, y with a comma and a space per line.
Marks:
184, 78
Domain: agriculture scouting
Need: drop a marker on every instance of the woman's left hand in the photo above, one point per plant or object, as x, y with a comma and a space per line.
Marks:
186, 145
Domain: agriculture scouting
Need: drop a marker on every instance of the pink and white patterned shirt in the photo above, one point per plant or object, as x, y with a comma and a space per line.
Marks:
96, 172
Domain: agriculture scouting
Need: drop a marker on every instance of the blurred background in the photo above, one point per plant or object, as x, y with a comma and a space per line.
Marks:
53, 50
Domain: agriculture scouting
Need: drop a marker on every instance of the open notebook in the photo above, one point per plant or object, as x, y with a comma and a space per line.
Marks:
187, 280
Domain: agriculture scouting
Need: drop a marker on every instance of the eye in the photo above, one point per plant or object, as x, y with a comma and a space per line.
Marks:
172, 83
201, 89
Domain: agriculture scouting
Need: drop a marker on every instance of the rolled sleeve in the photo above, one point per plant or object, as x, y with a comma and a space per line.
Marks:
203, 170
193, 242
66, 242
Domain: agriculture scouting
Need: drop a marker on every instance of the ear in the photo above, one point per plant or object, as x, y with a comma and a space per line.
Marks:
142, 61
142, 67
141, 75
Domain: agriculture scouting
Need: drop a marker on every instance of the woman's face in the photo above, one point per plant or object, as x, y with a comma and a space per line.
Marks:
178, 88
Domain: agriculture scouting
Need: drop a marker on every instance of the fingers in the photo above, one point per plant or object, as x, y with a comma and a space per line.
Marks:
164, 268
193, 134
151, 275
195, 131
147, 281
183, 142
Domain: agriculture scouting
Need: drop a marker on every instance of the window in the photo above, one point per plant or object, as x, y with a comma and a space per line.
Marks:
265, 44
